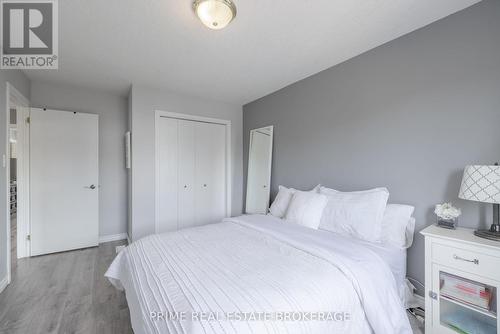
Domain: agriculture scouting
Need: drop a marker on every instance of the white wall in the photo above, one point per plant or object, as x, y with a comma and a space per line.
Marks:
112, 111
144, 103
22, 84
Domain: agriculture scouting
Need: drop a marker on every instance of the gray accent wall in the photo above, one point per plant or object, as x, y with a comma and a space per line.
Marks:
17, 79
145, 100
408, 115
112, 111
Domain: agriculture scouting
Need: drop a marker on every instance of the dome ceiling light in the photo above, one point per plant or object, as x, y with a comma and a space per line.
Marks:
215, 14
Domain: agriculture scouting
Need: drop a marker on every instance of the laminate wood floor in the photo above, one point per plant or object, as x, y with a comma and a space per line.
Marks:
65, 293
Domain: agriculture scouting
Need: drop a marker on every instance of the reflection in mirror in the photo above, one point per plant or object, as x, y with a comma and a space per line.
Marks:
259, 170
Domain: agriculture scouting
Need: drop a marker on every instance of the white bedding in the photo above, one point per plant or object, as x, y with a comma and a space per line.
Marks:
395, 258
257, 266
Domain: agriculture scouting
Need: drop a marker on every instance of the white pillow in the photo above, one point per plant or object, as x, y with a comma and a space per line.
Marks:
280, 204
316, 189
356, 214
306, 208
398, 225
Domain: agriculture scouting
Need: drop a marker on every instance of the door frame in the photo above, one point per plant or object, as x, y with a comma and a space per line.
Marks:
225, 122
13, 95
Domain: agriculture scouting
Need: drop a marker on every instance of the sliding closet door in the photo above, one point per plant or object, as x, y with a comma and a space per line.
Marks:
191, 173
210, 173
167, 150
186, 173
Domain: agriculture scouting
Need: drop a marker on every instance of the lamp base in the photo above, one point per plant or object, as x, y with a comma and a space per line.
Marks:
492, 234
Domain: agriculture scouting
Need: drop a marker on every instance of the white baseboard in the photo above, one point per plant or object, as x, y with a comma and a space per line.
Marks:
3, 283
112, 237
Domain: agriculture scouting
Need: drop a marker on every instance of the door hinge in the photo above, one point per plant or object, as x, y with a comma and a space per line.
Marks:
433, 295
28, 120
28, 237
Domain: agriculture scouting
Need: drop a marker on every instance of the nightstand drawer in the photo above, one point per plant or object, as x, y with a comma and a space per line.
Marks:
470, 261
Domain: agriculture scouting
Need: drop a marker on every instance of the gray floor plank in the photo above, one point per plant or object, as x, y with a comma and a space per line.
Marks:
64, 293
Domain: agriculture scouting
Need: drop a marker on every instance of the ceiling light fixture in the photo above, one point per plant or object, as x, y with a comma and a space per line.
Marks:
215, 14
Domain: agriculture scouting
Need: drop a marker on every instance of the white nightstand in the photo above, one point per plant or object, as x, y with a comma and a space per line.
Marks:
459, 254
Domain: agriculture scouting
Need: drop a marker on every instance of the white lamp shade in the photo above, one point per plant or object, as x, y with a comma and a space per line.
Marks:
481, 184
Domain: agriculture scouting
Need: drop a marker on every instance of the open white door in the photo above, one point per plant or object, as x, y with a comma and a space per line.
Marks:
63, 181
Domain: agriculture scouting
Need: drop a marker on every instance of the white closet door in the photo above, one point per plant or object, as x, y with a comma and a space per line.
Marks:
210, 173
186, 173
167, 177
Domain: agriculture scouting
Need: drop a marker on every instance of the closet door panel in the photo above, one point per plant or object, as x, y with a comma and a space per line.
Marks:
167, 176
186, 172
210, 173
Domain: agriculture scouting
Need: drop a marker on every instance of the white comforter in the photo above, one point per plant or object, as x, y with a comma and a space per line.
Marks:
246, 274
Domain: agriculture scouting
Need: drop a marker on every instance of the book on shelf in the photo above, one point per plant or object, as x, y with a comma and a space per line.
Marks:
460, 289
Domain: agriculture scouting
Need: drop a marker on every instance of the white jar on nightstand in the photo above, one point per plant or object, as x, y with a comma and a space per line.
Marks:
462, 278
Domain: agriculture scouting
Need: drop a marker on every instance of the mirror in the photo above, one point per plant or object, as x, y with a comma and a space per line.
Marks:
260, 153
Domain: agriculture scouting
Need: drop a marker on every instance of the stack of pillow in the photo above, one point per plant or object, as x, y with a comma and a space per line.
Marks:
363, 215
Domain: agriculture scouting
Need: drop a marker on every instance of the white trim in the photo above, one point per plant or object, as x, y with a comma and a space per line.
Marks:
229, 170
113, 237
11, 93
20, 97
23, 179
3, 283
161, 113
7, 180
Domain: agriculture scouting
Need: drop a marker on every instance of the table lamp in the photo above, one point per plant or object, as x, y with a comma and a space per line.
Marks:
481, 183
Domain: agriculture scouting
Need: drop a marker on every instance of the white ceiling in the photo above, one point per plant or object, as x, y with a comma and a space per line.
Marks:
110, 44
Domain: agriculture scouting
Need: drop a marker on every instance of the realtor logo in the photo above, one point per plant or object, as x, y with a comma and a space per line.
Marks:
29, 34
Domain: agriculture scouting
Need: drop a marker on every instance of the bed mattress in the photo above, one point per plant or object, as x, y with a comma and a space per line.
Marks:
257, 274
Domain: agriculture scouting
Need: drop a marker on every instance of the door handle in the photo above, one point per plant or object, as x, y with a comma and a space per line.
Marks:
90, 187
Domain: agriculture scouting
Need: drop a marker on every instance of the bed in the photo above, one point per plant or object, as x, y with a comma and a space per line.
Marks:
258, 274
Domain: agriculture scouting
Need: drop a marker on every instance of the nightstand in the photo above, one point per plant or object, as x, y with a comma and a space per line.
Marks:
462, 278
